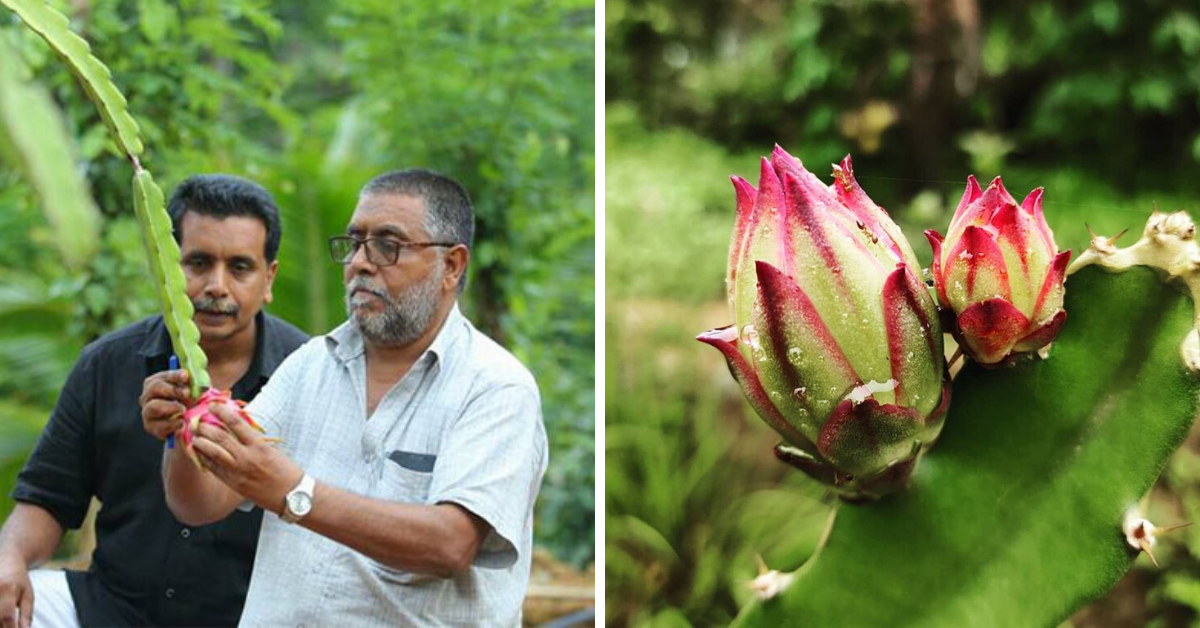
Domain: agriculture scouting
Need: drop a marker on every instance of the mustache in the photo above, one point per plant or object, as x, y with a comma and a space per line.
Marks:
215, 306
365, 284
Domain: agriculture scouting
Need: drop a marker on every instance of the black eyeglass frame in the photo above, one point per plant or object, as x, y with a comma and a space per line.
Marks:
372, 251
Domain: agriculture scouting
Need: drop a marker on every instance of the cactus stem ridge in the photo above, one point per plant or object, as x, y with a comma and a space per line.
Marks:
1168, 245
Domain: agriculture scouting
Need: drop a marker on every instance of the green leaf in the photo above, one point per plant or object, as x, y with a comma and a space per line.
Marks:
1014, 518
33, 125
156, 19
95, 76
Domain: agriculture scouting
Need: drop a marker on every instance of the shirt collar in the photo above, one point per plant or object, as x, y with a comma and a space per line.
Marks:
158, 342
346, 342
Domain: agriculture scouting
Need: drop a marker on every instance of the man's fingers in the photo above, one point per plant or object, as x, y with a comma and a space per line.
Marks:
162, 386
9, 608
26, 606
8, 612
213, 452
179, 377
236, 424
157, 410
218, 436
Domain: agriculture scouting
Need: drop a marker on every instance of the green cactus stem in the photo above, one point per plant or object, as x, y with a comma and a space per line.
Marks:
1017, 517
1168, 245
163, 253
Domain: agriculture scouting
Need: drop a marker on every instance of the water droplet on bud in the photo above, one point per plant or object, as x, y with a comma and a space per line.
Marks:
750, 336
794, 355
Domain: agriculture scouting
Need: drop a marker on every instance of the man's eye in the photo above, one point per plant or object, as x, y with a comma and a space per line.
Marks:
387, 246
196, 263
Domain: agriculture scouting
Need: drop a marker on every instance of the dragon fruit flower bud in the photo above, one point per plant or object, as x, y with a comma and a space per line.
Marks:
836, 341
1000, 274
201, 412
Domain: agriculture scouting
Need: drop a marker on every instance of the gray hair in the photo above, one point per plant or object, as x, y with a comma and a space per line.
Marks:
448, 213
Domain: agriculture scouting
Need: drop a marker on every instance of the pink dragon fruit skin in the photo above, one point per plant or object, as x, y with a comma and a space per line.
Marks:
999, 272
201, 412
836, 342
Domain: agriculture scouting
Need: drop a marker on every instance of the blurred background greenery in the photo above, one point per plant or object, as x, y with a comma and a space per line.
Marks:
312, 99
1096, 100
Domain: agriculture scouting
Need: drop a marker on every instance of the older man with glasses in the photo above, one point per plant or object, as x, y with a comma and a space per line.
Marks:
412, 445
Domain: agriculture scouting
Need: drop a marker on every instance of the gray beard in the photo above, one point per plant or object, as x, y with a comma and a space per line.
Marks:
403, 320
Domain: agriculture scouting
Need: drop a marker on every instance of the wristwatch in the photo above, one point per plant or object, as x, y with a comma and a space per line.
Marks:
298, 502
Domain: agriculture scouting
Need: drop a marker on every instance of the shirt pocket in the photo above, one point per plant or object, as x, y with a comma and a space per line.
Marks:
400, 483
406, 477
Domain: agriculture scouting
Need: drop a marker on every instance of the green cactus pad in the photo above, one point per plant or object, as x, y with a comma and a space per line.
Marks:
163, 254
94, 75
1015, 517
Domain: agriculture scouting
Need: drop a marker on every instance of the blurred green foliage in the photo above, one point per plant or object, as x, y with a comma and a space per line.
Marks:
1112, 83
311, 100
687, 503
1096, 100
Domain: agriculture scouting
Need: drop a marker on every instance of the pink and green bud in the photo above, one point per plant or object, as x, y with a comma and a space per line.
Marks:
836, 341
1000, 274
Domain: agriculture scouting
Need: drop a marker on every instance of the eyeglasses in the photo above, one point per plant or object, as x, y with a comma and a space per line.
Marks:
380, 251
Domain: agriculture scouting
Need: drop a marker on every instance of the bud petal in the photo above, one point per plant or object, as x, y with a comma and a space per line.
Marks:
989, 329
801, 362
725, 340
857, 436
914, 340
762, 240
746, 195
975, 269
871, 215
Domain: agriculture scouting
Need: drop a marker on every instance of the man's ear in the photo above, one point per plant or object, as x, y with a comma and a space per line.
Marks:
272, 268
454, 266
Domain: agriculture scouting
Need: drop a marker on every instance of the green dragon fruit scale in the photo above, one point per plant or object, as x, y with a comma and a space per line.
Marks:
836, 341
999, 275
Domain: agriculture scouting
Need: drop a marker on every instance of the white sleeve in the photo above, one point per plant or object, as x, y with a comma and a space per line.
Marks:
492, 464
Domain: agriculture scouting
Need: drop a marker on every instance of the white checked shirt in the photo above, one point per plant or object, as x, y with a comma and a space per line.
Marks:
464, 425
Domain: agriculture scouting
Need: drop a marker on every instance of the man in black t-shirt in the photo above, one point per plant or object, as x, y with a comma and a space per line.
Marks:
147, 568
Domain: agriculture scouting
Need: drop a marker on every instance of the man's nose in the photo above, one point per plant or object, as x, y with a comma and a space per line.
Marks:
360, 264
217, 284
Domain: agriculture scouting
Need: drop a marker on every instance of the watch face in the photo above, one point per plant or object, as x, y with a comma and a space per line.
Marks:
299, 504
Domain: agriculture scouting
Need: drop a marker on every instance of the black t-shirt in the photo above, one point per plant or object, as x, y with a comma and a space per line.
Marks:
148, 568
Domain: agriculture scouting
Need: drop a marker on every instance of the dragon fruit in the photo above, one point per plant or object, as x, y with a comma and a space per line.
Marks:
201, 412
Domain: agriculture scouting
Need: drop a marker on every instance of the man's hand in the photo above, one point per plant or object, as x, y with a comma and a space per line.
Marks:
165, 397
16, 592
244, 461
